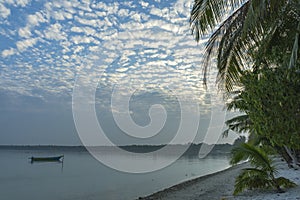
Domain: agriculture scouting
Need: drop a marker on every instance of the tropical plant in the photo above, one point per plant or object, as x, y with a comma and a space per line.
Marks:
256, 43
247, 34
263, 172
270, 103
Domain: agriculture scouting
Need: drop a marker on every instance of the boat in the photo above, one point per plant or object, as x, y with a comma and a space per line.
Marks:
47, 159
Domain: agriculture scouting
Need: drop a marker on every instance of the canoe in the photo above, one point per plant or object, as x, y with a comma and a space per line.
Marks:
47, 159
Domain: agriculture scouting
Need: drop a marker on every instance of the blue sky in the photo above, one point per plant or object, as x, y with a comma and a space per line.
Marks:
44, 45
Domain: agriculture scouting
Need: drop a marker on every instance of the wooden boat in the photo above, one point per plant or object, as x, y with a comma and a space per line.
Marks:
47, 159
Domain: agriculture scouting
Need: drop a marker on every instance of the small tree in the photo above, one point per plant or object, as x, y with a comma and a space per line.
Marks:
263, 172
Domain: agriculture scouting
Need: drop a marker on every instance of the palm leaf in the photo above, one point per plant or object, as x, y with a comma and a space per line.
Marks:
251, 178
247, 31
262, 175
238, 124
255, 155
224, 41
207, 14
285, 183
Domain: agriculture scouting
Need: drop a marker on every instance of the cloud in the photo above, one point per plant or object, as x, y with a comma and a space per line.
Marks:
24, 32
57, 15
130, 42
25, 44
54, 32
17, 3
36, 19
88, 22
156, 11
4, 12
122, 12
110, 9
86, 30
144, 4
8, 52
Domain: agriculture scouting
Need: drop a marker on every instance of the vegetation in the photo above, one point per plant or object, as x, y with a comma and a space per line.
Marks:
257, 34
257, 48
261, 175
271, 105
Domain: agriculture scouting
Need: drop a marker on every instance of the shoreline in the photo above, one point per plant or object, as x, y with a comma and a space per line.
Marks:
220, 186
174, 191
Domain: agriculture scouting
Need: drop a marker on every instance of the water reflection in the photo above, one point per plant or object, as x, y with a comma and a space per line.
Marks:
80, 176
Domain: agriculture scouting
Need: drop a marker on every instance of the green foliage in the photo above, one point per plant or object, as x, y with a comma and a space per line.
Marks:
256, 156
252, 178
257, 34
271, 100
257, 49
285, 183
263, 171
271, 107
238, 124
239, 141
255, 45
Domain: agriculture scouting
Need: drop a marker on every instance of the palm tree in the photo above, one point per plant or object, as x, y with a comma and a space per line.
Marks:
245, 38
263, 172
248, 36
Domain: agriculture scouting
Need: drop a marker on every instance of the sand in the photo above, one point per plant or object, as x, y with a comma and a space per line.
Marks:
221, 185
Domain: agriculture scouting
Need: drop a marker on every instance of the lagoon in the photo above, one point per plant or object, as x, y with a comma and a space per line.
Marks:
81, 176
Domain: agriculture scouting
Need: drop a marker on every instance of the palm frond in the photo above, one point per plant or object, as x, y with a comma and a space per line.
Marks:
263, 45
256, 156
285, 183
207, 14
238, 124
262, 175
261, 12
257, 140
251, 178
237, 102
242, 36
225, 41
231, 50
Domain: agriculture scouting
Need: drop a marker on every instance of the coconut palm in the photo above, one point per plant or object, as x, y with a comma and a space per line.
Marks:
263, 172
248, 36
251, 35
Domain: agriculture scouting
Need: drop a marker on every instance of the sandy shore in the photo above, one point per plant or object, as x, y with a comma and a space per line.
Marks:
221, 185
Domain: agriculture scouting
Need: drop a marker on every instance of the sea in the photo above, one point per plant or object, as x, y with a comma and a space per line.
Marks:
82, 177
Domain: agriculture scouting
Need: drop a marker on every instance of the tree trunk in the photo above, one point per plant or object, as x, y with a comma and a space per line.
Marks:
297, 154
284, 155
293, 161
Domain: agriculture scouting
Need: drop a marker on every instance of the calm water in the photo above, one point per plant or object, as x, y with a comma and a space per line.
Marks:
83, 177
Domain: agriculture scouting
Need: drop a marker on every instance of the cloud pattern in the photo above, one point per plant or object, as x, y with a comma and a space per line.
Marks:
145, 44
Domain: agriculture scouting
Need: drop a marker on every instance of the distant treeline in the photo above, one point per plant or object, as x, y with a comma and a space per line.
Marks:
193, 149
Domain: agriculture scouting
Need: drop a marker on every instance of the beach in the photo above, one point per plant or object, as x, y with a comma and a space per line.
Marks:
220, 185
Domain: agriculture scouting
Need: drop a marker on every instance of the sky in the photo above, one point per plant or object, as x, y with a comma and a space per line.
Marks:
138, 49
